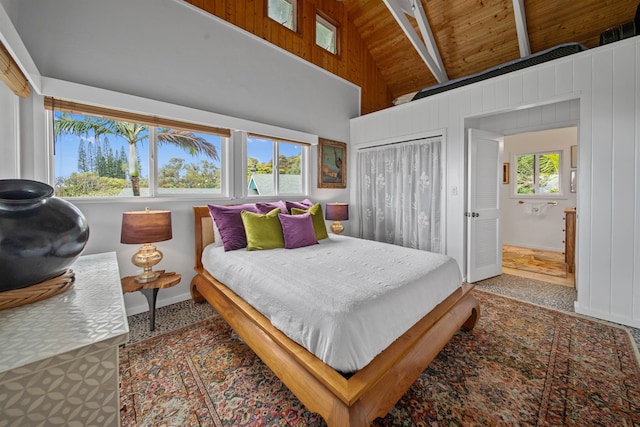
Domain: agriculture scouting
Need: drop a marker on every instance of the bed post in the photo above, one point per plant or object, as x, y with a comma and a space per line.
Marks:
473, 318
202, 238
195, 294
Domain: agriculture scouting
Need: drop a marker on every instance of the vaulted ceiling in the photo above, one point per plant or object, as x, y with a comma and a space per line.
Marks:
473, 35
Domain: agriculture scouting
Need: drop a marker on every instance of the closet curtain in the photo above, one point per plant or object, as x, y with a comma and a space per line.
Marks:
399, 194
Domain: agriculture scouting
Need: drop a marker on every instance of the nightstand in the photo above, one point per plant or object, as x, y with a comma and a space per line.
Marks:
150, 290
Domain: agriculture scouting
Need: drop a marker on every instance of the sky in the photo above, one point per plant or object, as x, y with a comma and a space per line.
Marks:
66, 155
66, 151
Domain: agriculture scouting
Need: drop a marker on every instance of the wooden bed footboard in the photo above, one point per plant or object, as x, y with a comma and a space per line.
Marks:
367, 394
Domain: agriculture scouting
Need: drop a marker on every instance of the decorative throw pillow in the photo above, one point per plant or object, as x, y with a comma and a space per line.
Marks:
305, 204
263, 231
264, 208
318, 220
229, 224
298, 230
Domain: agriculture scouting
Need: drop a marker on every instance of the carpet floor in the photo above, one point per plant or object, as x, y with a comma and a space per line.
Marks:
181, 314
523, 364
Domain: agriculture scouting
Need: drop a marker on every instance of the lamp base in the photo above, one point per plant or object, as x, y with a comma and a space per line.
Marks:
146, 257
337, 227
147, 276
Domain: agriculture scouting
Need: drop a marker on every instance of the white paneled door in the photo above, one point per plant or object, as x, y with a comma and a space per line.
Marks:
484, 243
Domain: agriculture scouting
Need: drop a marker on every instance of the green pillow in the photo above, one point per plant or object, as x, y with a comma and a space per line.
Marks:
318, 220
263, 231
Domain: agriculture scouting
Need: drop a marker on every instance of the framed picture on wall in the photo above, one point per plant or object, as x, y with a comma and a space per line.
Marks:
505, 173
332, 164
574, 156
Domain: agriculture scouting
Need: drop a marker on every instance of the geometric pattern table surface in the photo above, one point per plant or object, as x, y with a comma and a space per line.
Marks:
86, 318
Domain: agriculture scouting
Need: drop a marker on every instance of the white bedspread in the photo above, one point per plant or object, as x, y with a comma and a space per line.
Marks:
345, 299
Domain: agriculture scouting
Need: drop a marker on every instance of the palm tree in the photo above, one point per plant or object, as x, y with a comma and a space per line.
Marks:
549, 165
132, 133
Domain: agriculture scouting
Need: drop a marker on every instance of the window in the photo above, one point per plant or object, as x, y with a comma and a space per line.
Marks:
538, 173
190, 169
264, 155
106, 153
326, 34
283, 12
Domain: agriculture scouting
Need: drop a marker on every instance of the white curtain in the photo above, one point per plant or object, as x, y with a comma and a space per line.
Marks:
399, 194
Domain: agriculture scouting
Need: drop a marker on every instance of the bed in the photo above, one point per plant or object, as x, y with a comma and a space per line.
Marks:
342, 399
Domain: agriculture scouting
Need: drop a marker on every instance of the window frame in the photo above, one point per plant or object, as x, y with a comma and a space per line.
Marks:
304, 167
324, 20
562, 176
153, 123
296, 18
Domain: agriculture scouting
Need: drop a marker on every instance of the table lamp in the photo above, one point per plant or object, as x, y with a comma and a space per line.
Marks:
337, 212
146, 227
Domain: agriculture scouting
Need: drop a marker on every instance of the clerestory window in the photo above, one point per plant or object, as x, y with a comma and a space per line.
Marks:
326, 34
284, 12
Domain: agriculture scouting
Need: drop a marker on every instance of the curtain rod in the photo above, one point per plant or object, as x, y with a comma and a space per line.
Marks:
399, 142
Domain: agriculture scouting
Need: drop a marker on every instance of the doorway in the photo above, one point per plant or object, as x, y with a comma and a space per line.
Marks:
537, 216
536, 200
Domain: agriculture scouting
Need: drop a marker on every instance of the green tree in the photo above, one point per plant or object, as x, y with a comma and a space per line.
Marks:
169, 174
88, 184
82, 158
91, 162
547, 175
525, 174
255, 166
205, 175
133, 133
178, 174
290, 165
549, 165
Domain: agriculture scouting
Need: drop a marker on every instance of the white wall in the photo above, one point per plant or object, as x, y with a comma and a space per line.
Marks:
9, 126
606, 81
167, 58
170, 51
542, 228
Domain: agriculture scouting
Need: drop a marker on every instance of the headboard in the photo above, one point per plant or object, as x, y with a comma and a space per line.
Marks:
203, 232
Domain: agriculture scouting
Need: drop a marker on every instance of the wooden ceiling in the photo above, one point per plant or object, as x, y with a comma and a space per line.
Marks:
470, 35
473, 35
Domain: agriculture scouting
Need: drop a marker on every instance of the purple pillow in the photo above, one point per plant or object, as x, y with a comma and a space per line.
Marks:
265, 208
297, 230
304, 205
229, 223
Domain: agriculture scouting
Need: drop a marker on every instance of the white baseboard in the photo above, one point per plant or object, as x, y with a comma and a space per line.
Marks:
143, 306
634, 323
530, 246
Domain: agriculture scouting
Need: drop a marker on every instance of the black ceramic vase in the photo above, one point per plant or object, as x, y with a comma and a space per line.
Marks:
40, 235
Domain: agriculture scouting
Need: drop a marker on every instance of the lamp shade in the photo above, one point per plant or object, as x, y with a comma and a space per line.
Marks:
146, 226
337, 211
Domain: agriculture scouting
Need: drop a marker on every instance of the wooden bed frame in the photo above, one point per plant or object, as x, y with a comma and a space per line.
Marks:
369, 393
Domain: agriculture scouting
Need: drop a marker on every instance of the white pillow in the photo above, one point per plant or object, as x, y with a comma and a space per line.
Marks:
217, 238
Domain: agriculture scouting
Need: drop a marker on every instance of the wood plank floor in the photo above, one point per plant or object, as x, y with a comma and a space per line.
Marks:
538, 264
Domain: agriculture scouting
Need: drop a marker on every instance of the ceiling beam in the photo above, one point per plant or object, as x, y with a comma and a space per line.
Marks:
427, 49
521, 28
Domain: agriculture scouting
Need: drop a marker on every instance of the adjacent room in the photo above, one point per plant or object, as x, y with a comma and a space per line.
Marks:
323, 212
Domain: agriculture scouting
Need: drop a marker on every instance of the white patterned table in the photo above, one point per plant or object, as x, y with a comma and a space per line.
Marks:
59, 356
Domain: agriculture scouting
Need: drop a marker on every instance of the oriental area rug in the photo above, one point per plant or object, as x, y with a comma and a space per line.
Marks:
522, 365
